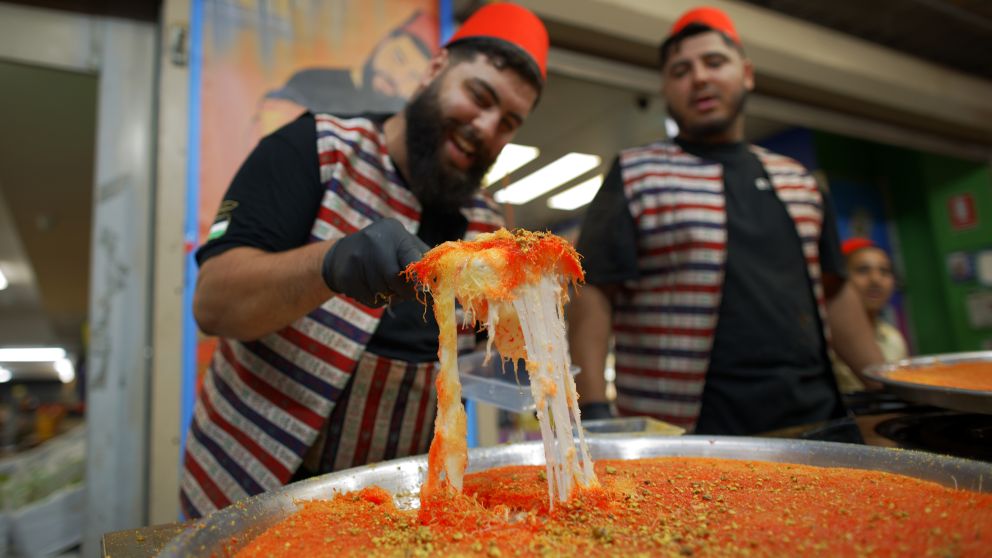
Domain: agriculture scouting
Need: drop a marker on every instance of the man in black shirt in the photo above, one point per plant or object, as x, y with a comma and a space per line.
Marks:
324, 361
280, 219
705, 258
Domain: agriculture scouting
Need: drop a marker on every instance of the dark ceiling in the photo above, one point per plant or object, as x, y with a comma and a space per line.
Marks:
145, 10
952, 33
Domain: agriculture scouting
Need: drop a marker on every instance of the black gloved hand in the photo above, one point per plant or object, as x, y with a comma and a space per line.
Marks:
596, 411
366, 265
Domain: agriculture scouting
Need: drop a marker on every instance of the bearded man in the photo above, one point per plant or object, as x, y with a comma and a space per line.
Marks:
714, 264
325, 361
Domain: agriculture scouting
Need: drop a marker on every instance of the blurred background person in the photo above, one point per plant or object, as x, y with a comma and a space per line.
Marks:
869, 269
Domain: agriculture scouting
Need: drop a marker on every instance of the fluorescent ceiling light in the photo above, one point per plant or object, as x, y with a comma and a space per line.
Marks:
3, 281
67, 372
576, 196
5, 375
548, 178
32, 354
510, 159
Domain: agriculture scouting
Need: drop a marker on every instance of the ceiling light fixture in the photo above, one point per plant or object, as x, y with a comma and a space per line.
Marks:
3, 281
547, 178
510, 159
576, 196
32, 354
65, 369
5, 375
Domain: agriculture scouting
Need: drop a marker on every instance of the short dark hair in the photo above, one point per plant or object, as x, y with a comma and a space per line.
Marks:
691, 30
502, 55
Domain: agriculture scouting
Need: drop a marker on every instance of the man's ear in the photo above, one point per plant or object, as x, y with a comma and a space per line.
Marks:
437, 64
748, 74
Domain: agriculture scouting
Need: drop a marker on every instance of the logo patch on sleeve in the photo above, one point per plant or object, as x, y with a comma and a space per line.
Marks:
223, 219
219, 227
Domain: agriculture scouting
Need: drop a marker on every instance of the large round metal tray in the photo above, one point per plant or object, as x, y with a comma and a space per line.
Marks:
969, 400
225, 531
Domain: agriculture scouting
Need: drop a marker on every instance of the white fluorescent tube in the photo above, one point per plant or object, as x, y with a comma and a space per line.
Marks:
32, 354
65, 369
576, 196
510, 159
548, 178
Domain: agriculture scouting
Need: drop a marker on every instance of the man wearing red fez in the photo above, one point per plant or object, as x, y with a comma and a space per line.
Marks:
714, 264
324, 360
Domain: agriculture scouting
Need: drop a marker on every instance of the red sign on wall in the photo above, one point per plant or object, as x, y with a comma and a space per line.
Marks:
961, 210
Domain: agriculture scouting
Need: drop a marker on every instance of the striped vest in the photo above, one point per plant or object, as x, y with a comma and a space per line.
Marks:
263, 403
664, 321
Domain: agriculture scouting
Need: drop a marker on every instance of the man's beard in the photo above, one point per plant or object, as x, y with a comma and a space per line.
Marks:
435, 182
710, 129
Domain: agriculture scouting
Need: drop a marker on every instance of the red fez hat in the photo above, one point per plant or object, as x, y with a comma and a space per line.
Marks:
512, 23
713, 18
852, 245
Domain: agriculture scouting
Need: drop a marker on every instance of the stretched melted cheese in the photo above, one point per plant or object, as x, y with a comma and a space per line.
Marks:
515, 284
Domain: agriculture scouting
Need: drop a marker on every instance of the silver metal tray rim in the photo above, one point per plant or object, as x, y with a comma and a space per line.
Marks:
213, 534
880, 372
960, 399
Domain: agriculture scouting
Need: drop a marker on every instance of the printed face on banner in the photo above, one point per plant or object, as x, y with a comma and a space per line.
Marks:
265, 63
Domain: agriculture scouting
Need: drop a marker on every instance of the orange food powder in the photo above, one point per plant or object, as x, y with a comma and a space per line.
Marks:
526, 252
961, 375
653, 507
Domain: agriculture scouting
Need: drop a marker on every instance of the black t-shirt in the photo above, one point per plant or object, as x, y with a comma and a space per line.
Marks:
272, 203
768, 365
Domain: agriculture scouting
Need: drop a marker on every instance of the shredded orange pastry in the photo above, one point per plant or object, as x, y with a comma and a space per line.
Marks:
515, 284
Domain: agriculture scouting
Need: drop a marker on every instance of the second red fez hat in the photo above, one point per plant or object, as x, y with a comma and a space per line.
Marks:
714, 18
852, 245
512, 23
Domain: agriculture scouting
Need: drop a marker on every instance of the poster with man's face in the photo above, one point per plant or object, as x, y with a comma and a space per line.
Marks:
267, 61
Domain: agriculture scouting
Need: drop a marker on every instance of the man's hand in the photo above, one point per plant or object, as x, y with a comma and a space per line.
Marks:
366, 265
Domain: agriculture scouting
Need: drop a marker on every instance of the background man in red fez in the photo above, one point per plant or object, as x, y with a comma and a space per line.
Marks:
314, 372
714, 264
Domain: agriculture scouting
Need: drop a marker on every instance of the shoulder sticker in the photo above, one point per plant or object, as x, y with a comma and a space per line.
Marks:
223, 219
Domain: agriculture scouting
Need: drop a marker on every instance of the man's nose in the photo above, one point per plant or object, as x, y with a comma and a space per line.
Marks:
700, 74
486, 125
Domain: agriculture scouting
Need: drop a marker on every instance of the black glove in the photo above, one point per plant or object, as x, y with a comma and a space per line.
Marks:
366, 265
596, 411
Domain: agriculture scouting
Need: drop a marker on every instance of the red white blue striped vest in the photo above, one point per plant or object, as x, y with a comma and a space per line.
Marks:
664, 321
263, 403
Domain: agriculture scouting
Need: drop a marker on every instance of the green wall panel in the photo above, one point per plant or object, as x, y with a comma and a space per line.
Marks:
945, 178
